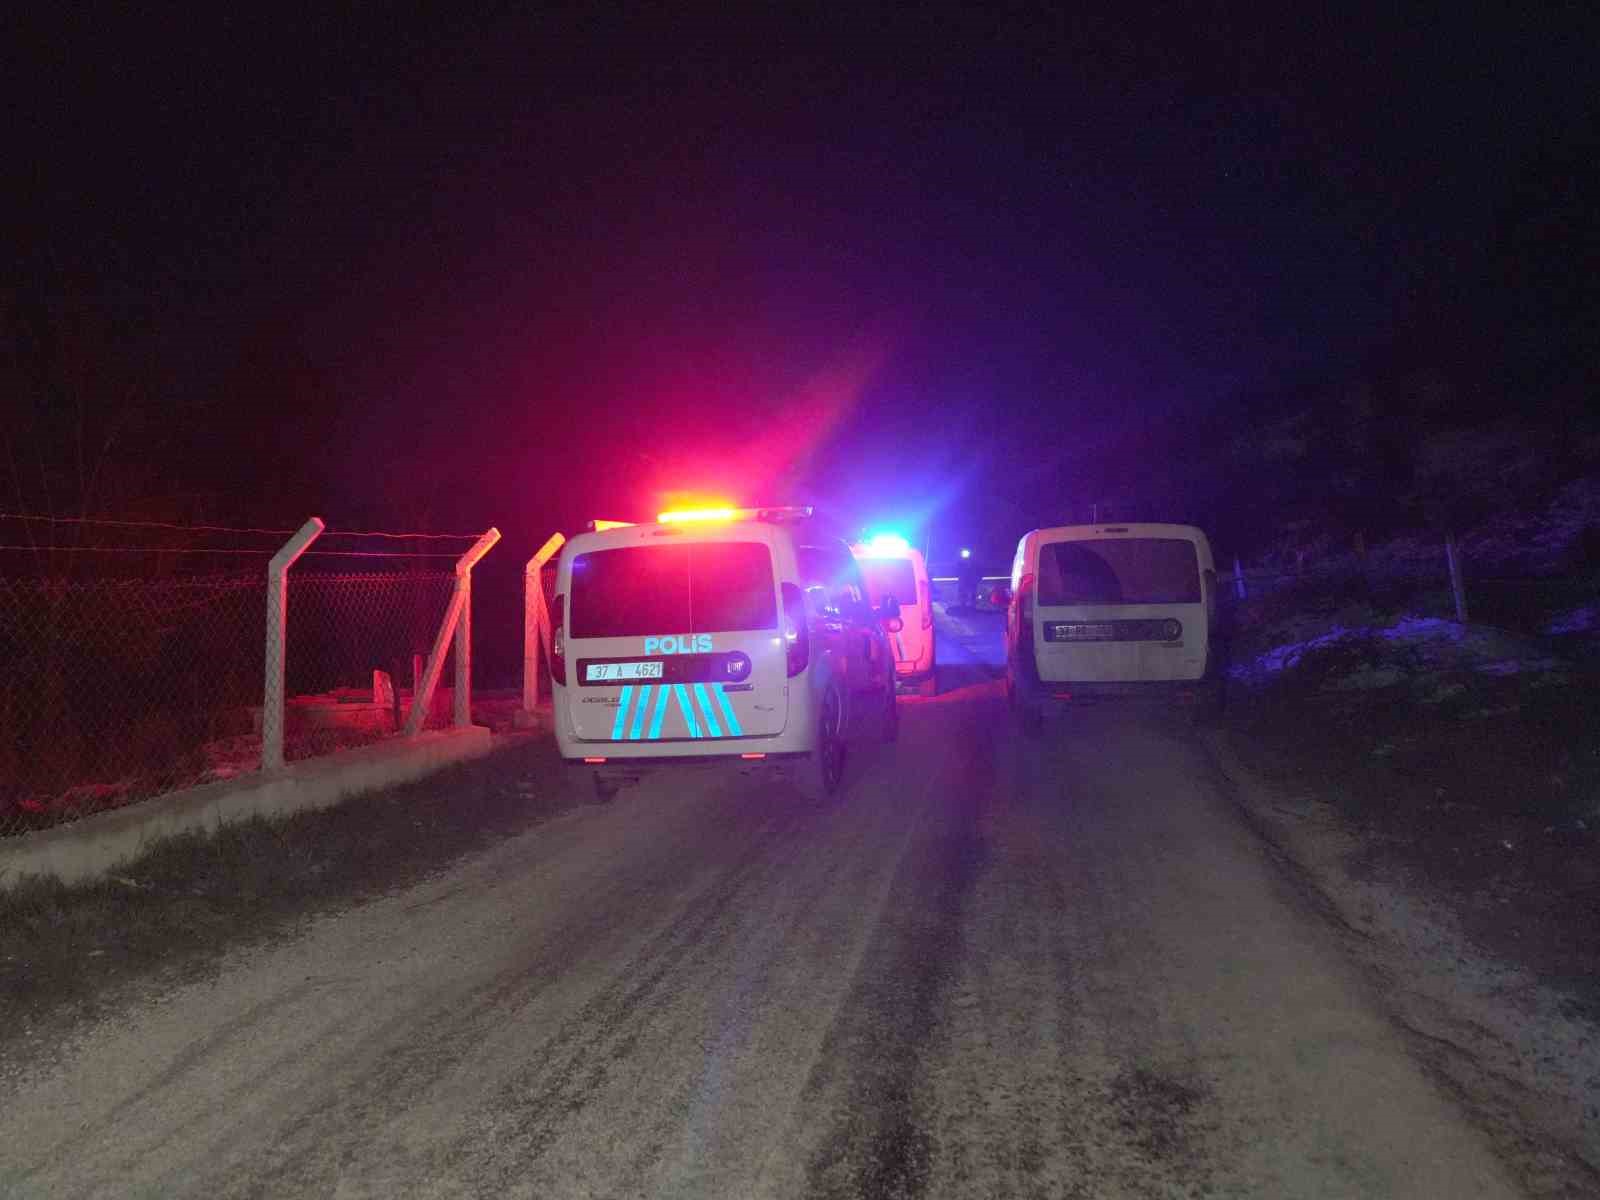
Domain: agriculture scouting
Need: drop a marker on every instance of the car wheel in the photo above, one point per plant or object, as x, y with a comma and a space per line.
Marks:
822, 771
889, 729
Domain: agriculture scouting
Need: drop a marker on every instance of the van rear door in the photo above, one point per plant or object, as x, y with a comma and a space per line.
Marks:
1119, 610
675, 642
897, 576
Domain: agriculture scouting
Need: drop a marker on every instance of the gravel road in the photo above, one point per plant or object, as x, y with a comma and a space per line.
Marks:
992, 967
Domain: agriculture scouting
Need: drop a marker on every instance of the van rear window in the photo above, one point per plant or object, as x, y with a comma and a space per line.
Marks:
889, 577
1119, 571
697, 587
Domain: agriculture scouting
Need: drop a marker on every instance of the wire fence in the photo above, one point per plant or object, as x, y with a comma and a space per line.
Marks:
115, 690
132, 656
343, 629
1416, 582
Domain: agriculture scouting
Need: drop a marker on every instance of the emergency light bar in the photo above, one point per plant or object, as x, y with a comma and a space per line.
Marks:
709, 515
685, 515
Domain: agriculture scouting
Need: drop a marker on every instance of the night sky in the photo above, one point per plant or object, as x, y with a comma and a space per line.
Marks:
525, 270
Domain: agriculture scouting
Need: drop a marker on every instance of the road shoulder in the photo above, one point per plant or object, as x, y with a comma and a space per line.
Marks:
1520, 1055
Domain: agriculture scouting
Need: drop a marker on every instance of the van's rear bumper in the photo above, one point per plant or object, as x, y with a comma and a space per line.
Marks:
624, 771
1050, 692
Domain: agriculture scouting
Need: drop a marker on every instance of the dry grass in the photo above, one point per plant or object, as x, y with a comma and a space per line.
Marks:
1485, 790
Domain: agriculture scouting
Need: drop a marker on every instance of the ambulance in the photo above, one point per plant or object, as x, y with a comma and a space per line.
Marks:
1111, 611
892, 567
735, 636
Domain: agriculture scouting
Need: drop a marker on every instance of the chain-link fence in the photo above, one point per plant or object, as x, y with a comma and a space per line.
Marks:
114, 690
128, 671
344, 629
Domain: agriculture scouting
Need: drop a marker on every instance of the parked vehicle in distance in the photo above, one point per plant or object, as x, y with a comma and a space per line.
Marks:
729, 635
1103, 611
894, 568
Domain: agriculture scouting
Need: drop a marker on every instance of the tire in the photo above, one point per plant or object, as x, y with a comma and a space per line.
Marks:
889, 721
822, 771
604, 790
1029, 712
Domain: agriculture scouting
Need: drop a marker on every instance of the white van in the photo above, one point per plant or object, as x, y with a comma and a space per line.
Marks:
894, 568
1110, 610
736, 635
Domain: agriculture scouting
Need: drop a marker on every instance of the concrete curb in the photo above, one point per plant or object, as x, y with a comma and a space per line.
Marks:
94, 845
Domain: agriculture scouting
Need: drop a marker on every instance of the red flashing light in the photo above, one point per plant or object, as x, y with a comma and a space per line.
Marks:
594, 761
752, 757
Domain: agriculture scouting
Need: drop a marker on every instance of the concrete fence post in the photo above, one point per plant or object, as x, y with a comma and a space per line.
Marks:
277, 640
535, 623
457, 627
463, 693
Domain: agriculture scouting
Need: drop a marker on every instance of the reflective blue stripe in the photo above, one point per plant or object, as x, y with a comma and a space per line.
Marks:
710, 712
661, 711
622, 712
638, 713
727, 711
687, 705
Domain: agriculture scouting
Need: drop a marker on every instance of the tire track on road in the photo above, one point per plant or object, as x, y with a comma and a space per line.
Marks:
878, 1139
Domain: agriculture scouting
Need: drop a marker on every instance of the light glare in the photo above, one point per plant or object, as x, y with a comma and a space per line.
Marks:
685, 515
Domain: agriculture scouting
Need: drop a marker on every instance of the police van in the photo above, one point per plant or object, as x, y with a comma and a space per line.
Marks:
1101, 611
722, 635
893, 567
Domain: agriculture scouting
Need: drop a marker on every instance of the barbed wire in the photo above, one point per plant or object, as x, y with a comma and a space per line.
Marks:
106, 521
383, 554
218, 550
377, 533
40, 517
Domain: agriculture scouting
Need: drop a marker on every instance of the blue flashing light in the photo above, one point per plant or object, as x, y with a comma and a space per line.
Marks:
965, 553
888, 543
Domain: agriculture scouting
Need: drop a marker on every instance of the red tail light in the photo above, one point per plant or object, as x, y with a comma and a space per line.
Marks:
1024, 602
558, 651
796, 634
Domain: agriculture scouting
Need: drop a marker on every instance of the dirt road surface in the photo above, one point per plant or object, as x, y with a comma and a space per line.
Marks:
992, 967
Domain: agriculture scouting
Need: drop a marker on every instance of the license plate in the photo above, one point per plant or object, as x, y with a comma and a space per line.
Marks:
606, 672
1084, 633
